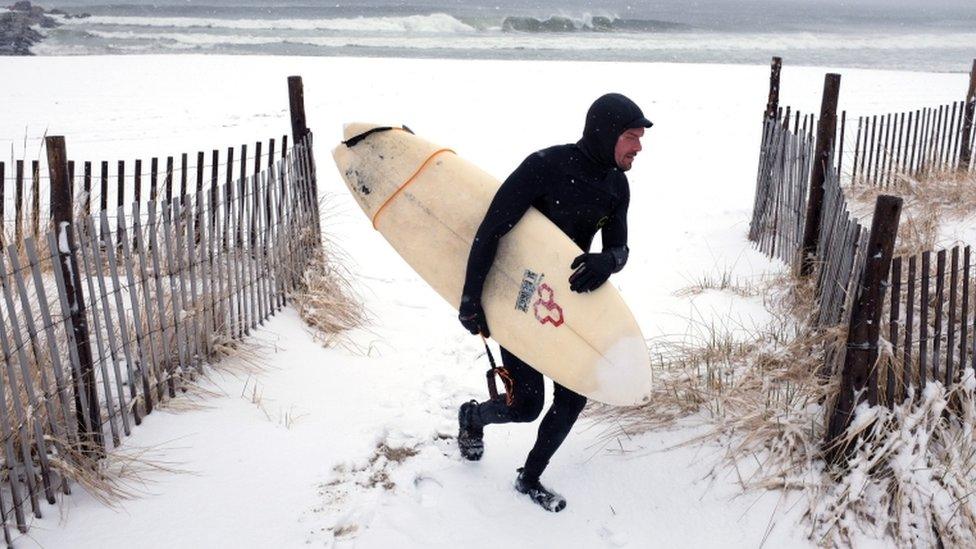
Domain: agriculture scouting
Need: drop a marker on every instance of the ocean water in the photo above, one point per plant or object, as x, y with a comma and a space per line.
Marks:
910, 35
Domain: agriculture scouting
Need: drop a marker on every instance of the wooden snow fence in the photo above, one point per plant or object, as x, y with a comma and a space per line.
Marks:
929, 325
914, 144
104, 185
878, 149
108, 311
911, 320
779, 217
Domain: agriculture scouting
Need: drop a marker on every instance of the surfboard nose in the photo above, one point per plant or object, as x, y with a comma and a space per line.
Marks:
342, 156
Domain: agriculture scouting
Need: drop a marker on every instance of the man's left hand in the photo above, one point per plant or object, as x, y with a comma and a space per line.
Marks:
592, 270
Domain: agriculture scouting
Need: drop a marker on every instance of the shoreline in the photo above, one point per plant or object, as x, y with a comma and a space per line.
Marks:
964, 67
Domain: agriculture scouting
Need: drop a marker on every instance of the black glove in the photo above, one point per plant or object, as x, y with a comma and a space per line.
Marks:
593, 270
472, 316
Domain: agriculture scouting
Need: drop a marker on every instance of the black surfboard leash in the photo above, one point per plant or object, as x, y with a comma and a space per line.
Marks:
501, 372
354, 140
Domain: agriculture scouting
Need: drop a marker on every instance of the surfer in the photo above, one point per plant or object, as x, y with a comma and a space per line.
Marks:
582, 189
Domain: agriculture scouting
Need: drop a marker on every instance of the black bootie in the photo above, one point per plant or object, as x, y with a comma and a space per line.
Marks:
547, 499
470, 433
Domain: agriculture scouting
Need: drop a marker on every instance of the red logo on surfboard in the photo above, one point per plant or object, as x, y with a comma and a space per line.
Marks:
553, 313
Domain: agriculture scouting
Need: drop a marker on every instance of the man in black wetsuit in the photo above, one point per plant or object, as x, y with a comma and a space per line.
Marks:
581, 188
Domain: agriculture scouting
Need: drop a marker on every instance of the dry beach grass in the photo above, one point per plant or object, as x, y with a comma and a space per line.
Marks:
911, 473
929, 203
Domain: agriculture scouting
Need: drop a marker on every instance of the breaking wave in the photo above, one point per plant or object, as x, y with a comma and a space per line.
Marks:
587, 23
433, 23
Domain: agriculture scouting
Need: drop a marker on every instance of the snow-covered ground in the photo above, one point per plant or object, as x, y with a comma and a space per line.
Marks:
351, 446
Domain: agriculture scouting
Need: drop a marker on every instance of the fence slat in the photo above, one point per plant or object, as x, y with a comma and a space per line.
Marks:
35, 221
923, 338
192, 228
217, 251
251, 257
168, 184
260, 261
183, 175
894, 301
19, 202
886, 153
86, 185
940, 264
871, 171
857, 149
234, 288
206, 299
241, 182
120, 184
913, 167
908, 370
951, 327
225, 263
964, 319
214, 166
154, 178
137, 181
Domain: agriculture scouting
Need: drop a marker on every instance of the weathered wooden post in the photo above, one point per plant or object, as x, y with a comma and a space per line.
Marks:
965, 155
296, 103
772, 105
302, 135
859, 377
826, 129
61, 219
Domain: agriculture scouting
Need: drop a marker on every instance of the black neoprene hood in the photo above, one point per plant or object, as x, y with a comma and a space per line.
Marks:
608, 117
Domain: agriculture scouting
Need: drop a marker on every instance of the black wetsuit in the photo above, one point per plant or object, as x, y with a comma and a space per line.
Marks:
579, 188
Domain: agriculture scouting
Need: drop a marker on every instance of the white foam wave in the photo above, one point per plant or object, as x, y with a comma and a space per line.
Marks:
434, 23
620, 42
191, 39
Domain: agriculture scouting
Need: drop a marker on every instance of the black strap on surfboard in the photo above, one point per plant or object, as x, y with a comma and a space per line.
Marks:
490, 374
354, 140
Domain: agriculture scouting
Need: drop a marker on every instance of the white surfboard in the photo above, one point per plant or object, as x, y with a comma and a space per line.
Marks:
428, 203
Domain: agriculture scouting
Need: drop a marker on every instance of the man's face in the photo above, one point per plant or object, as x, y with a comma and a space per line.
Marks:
628, 145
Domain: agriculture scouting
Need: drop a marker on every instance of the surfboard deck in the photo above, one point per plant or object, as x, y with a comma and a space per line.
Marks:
589, 343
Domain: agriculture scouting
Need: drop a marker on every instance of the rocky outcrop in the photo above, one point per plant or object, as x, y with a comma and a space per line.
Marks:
17, 32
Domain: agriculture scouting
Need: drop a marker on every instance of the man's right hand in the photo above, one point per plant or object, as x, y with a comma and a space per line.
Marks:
472, 316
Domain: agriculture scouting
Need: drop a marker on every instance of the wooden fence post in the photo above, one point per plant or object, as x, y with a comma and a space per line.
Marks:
296, 102
772, 105
61, 218
301, 135
859, 377
826, 130
965, 155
